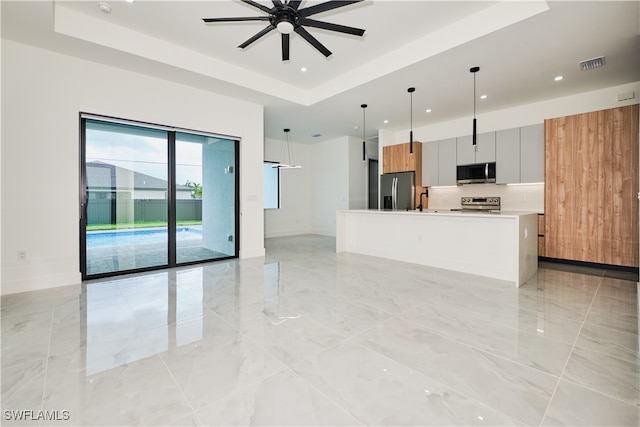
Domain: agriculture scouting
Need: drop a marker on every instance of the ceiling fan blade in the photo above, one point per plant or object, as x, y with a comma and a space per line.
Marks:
323, 7
285, 47
294, 4
312, 40
238, 19
277, 3
257, 36
332, 27
258, 5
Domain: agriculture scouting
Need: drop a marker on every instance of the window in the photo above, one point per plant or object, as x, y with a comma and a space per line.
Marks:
271, 185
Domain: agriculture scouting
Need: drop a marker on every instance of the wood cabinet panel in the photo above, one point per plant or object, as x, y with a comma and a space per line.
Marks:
591, 187
398, 158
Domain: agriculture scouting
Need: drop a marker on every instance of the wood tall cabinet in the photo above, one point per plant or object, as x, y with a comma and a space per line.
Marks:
591, 187
397, 158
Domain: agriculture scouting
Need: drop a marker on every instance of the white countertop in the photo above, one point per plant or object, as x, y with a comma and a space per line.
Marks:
446, 212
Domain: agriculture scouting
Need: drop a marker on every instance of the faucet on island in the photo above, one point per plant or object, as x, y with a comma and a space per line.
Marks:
425, 193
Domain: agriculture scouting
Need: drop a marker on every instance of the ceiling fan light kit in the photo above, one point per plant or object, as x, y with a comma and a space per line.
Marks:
285, 17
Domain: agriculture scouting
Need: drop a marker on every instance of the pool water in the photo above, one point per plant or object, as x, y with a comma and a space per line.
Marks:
142, 236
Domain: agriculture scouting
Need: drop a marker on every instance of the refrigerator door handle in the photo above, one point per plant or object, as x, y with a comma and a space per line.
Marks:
394, 194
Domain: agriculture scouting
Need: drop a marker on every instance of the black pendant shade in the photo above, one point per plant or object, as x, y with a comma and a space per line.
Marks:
364, 143
411, 90
474, 70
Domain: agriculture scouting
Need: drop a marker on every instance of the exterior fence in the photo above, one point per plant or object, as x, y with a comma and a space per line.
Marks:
114, 211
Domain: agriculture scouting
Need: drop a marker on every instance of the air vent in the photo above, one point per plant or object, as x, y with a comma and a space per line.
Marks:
590, 64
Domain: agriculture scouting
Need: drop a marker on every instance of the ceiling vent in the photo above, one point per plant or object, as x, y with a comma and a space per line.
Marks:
590, 64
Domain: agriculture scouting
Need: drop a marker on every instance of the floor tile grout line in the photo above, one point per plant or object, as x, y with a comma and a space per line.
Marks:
560, 378
482, 350
444, 385
493, 322
626, 402
46, 364
184, 396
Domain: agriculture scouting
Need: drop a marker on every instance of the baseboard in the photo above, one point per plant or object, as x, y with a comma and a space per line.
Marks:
591, 264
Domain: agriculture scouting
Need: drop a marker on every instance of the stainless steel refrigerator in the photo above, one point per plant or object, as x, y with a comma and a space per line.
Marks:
397, 191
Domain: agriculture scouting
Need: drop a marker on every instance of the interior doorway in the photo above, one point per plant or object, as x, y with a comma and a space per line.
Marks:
373, 184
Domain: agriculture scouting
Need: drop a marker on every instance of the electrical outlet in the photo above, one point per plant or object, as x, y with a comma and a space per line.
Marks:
22, 254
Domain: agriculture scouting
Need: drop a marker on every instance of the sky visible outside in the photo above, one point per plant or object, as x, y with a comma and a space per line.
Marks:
145, 154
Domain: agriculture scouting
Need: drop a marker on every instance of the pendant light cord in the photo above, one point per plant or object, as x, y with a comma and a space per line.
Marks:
411, 90
364, 143
474, 70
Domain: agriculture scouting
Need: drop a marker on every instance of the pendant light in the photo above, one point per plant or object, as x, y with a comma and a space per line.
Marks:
474, 70
286, 145
364, 143
411, 90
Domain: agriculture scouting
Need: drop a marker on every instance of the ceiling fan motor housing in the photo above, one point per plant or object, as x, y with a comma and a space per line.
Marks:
285, 20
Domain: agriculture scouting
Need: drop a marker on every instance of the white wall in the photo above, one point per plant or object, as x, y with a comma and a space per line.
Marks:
294, 215
42, 95
330, 183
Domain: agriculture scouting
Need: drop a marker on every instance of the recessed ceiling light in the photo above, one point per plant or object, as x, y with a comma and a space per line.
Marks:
129, 1
428, 110
356, 127
558, 78
483, 96
303, 69
386, 121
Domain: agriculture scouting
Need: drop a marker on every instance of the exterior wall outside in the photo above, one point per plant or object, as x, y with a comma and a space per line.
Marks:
43, 93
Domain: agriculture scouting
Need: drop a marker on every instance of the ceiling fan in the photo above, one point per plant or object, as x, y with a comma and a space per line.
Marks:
287, 18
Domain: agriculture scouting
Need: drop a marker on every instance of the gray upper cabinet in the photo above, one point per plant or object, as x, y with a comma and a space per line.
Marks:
520, 155
447, 161
430, 164
484, 151
532, 153
508, 156
439, 162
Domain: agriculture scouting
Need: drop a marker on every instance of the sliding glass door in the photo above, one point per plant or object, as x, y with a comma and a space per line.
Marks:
154, 197
206, 214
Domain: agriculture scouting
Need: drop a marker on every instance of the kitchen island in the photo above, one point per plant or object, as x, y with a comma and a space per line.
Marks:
501, 245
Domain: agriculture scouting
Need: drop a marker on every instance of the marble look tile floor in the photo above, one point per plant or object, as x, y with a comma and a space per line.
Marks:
309, 337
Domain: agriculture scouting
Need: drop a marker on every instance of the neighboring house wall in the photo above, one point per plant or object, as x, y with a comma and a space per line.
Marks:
43, 93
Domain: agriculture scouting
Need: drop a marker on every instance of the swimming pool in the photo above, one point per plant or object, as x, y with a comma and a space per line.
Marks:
140, 236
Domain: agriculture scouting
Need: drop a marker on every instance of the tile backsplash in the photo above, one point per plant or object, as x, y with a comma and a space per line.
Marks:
513, 197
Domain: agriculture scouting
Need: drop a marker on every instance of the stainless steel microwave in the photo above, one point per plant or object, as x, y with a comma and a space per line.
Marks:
478, 173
